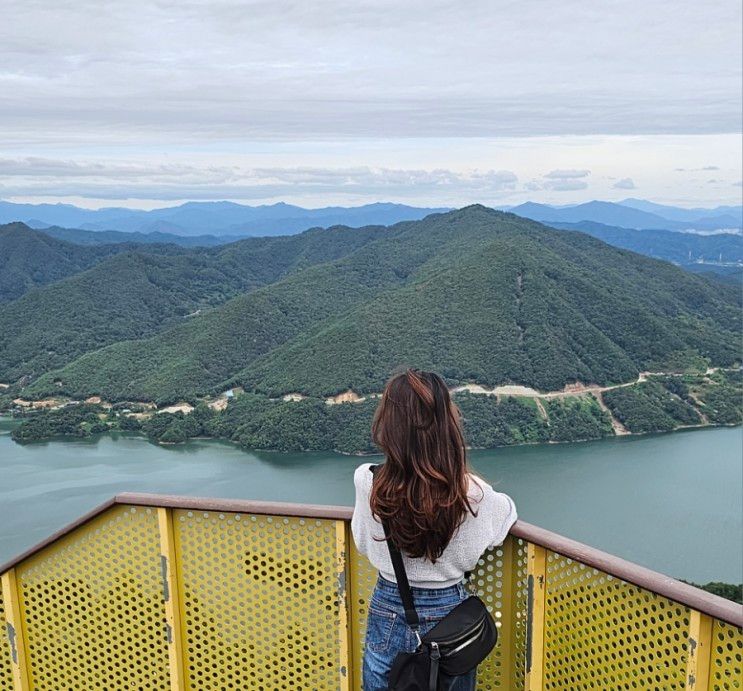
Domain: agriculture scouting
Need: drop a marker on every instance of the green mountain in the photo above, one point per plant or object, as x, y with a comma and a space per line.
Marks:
479, 295
146, 289
29, 258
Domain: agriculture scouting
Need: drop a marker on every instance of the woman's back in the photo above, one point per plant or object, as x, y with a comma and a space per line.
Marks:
495, 514
439, 516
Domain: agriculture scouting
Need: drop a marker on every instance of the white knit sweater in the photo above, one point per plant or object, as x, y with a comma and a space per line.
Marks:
496, 513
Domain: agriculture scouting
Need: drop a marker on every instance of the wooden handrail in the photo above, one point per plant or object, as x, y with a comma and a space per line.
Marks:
675, 590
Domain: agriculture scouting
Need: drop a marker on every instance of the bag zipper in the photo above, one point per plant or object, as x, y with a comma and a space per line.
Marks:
468, 634
470, 640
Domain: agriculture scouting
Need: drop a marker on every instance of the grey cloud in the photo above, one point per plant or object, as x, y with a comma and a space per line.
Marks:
567, 174
566, 185
625, 184
60, 178
563, 180
193, 72
46, 168
696, 170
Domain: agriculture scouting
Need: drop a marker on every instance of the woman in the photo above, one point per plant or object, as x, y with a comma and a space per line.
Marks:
440, 516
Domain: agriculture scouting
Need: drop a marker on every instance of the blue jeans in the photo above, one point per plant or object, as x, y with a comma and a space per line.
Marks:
388, 634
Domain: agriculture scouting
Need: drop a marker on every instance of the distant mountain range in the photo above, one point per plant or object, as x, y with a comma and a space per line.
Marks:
205, 221
720, 252
211, 218
636, 214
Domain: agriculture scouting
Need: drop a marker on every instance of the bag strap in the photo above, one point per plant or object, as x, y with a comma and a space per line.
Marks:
406, 595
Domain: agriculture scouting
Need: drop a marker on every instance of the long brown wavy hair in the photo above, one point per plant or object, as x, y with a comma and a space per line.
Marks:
421, 490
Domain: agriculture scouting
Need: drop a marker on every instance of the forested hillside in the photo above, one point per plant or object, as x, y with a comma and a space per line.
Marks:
146, 289
480, 295
107, 237
254, 421
680, 248
29, 258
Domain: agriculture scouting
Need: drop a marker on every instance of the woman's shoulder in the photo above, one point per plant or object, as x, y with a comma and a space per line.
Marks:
479, 490
485, 496
362, 476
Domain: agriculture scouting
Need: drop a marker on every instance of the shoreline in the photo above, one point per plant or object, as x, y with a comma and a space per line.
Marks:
112, 433
578, 413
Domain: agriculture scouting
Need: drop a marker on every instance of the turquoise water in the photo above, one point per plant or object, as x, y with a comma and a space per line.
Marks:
671, 502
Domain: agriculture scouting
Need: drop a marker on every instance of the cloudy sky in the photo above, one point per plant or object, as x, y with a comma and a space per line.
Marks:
435, 102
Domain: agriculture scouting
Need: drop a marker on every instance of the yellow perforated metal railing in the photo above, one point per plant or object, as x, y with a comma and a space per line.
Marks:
726, 665
601, 632
92, 605
180, 593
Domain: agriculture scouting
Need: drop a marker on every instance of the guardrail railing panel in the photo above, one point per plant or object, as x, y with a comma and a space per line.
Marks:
92, 606
261, 601
726, 664
604, 633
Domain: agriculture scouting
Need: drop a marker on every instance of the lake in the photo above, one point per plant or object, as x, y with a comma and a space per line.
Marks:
671, 502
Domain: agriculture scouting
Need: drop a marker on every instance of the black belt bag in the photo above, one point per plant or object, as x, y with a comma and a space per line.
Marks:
455, 646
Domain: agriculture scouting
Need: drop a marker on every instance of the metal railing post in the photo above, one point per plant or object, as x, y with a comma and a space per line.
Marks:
14, 632
171, 596
343, 577
536, 582
509, 608
700, 651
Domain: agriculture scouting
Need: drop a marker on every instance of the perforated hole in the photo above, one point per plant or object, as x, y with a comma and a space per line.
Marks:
726, 669
6, 673
603, 633
93, 606
261, 601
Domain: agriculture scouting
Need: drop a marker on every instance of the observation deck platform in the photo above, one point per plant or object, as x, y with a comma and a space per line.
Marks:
170, 593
